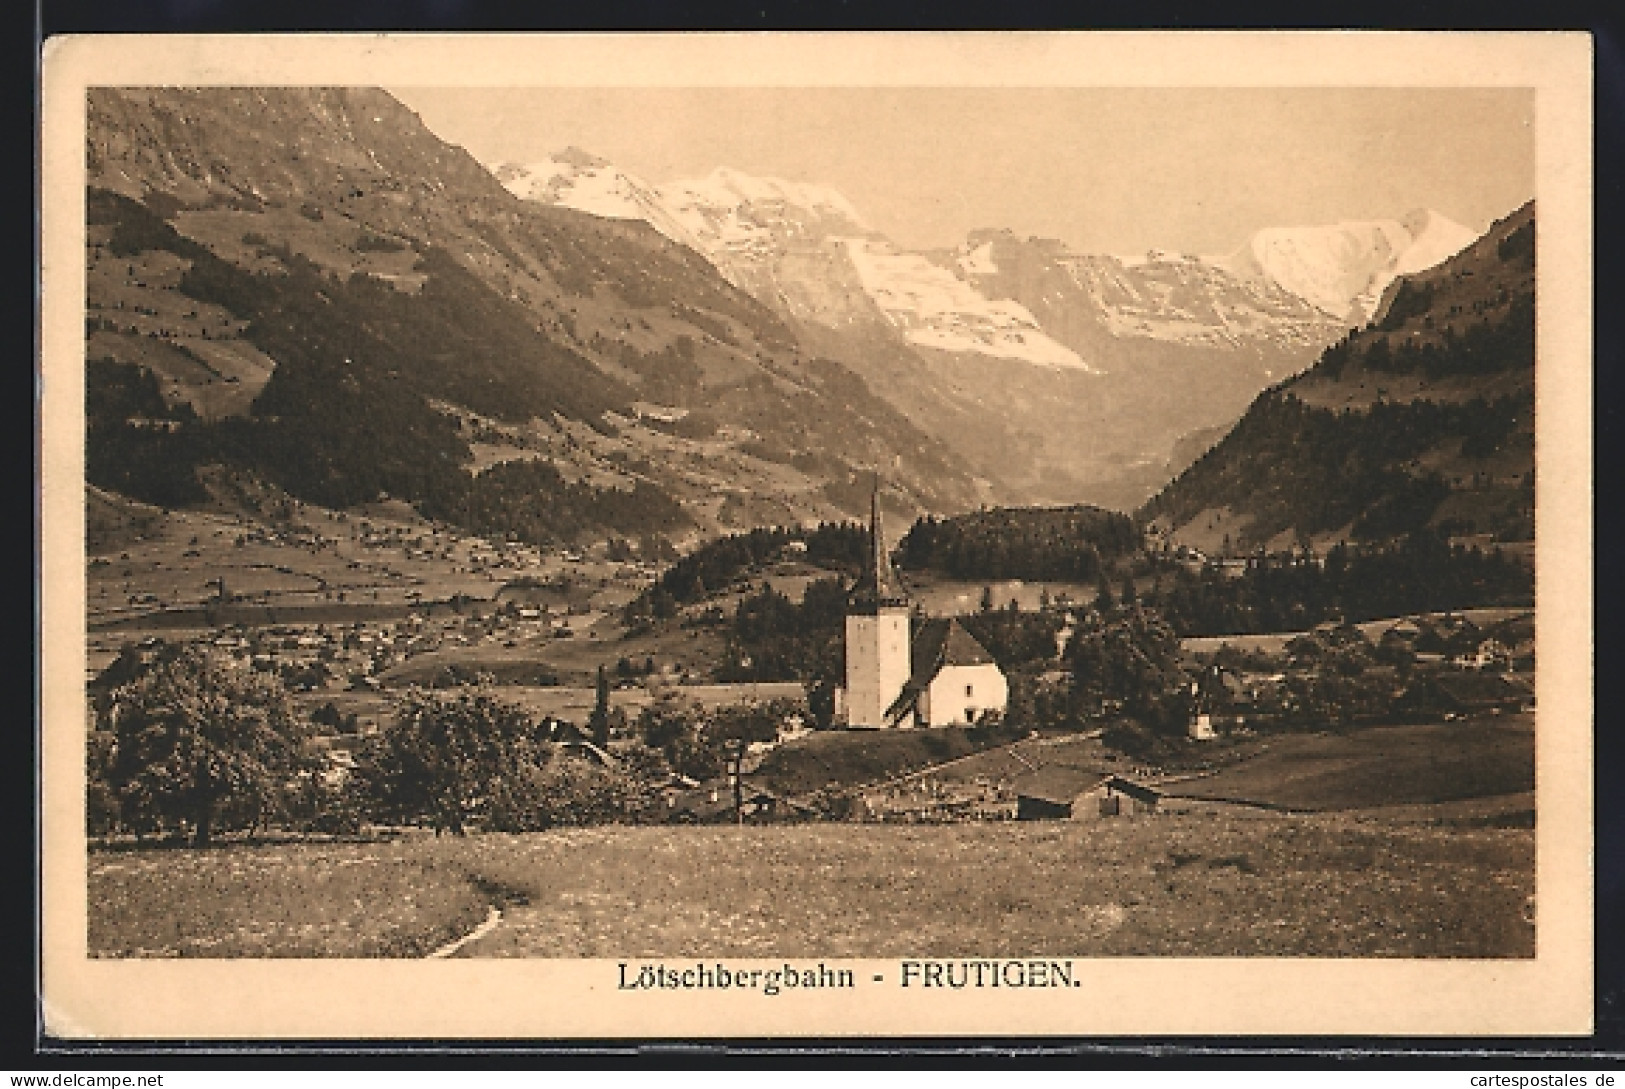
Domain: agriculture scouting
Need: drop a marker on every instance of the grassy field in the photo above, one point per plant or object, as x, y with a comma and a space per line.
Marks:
1381, 766
289, 900
1222, 883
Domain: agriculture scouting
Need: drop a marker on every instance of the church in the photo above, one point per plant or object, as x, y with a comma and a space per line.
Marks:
898, 677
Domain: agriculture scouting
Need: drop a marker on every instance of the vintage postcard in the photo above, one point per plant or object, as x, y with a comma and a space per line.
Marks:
772, 535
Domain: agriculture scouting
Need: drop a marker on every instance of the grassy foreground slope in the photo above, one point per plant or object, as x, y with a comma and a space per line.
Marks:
1199, 884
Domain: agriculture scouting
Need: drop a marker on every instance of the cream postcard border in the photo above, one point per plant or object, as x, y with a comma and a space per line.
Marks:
1551, 994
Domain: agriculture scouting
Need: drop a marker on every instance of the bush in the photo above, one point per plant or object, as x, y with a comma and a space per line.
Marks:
567, 790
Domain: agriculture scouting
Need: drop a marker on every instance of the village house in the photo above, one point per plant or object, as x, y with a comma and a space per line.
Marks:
1489, 654
1219, 700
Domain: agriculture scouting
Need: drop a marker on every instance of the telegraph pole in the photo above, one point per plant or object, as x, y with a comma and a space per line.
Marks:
736, 755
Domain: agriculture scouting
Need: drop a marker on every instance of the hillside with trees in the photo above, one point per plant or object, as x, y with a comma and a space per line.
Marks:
374, 314
1422, 572
1423, 419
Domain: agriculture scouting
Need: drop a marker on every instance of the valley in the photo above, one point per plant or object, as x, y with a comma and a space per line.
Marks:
535, 505
1012, 350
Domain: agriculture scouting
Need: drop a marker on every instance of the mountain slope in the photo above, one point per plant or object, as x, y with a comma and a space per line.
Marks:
324, 292
1422, 418
1060, 376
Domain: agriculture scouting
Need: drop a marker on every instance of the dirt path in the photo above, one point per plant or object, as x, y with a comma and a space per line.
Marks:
451, 948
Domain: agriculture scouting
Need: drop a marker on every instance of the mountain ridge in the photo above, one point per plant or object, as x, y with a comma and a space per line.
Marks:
268, 256
1422, 419
985, 344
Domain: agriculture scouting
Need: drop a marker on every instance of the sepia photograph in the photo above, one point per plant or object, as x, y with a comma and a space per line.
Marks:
822, 534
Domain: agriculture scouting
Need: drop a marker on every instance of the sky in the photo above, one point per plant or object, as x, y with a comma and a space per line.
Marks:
1105, 170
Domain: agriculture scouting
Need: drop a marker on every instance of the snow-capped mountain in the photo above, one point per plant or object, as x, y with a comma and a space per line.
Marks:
1344, 267
1061, 376
1092, 301
936, 309
572, 178
748, 227
732, 211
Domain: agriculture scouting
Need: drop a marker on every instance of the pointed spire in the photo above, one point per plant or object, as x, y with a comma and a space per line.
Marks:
878, 584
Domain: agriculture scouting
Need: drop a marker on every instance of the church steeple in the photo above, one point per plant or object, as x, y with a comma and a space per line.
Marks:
878, 585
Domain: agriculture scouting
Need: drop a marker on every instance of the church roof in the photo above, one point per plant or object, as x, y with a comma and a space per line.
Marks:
942, 643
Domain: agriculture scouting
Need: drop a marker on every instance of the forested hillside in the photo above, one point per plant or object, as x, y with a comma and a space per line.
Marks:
1422, 419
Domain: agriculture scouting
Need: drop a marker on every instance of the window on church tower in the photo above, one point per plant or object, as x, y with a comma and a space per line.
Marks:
969, 690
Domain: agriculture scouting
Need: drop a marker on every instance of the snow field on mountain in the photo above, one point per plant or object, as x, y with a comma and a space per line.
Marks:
936, 309
1344, 267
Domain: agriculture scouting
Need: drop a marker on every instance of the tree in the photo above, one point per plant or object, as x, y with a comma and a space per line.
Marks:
1132, 658
1129, 596
673, 728
821, 703
201, 741
567, 790
598, 721
448, 756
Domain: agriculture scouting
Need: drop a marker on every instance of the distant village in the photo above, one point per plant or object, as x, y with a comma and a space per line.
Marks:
903, 674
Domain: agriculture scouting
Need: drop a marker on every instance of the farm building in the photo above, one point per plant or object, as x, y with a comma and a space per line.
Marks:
1078, 794
938, 676
1117, 797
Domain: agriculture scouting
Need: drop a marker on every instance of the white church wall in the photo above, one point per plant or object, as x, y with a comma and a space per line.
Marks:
960, 694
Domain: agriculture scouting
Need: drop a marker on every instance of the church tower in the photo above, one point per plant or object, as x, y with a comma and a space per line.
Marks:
877, 634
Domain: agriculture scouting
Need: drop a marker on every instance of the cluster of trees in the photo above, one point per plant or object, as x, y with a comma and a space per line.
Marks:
193, 741
1128, 660
771, 638
1420, 573
674, 736
670, 375
1504, 342
720, 562
1059, 543
196, 746
531, 501
124, 451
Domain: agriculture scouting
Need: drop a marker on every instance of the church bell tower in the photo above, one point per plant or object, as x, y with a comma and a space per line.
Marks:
877, 634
